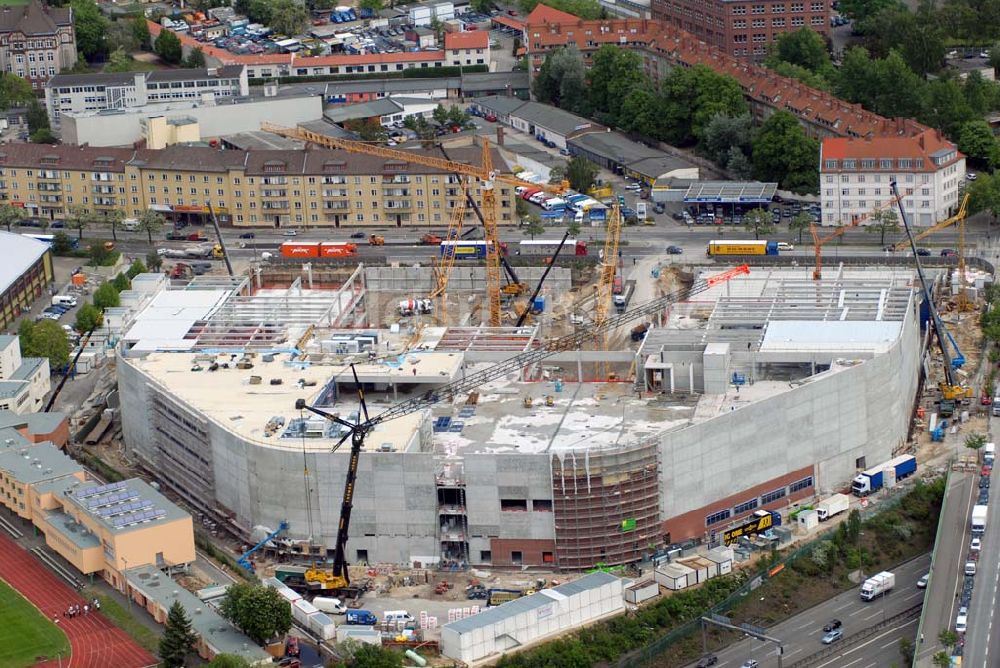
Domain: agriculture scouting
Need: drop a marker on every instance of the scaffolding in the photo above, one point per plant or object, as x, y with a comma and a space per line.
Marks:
606, 505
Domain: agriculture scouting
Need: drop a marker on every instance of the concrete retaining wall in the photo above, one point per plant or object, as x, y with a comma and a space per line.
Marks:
421, 279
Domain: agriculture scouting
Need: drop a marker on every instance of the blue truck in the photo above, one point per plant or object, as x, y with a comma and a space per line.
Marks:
360, 618
872, 480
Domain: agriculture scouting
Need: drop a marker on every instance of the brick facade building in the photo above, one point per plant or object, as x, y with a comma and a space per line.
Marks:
36, 41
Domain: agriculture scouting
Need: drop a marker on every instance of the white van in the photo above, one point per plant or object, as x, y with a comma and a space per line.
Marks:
332, 606
785, 246
64, 300
989, 453
130, 224
396, 616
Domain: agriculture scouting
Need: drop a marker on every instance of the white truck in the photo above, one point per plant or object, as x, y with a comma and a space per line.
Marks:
989, 453
831, 506
332, 606
979, 520
877, 585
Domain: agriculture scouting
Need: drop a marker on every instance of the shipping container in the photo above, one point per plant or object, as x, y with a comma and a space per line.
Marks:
321, 625
642, 591
674, 576
301, 611
337, 249
299, 249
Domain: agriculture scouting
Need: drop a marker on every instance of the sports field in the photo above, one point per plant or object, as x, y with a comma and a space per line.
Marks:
25, 634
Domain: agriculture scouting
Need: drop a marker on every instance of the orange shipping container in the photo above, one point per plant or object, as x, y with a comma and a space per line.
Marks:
337, 249
299, 249
79, 279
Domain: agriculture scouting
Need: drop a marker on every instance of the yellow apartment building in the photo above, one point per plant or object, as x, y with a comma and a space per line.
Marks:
314, 187
101, 529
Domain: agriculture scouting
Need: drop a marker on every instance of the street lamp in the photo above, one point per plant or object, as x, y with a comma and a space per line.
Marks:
128, 596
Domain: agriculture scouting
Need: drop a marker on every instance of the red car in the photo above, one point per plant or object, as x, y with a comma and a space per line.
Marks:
987, 469
491, 118
512, 12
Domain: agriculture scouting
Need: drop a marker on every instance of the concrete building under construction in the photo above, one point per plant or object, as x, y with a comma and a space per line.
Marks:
763, 391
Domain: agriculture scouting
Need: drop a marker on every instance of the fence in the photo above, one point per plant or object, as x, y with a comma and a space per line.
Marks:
853, 261
661, 644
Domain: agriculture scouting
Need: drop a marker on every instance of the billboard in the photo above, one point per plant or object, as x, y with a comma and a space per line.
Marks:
755, 525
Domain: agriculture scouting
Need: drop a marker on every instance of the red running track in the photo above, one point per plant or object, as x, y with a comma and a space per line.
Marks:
94, 641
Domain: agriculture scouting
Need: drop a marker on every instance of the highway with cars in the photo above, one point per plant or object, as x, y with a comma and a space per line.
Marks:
802, 634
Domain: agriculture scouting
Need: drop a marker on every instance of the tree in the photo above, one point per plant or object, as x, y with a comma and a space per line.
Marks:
906, 650
122, 36
859, 10
137, 267
257, 610
975, 441
588, 10
482, 6
45, 338
9, 214
882, 221
112, 218
88, 318
690, 97
196, 58
118, 61
14, 91
99, 255
803, 47
140, 30
106, 296
91, 28
941, 659
723, 133
61, 244
783, 153
759, 222
168, 47
374, 5
374, 656
947, 637
227, 661
121, 282
534, 225
739, 164
800, 223
581, 173
573, 228
440, 114
984, 195
151, 221
367, 129
258, 11
153, 260
288, 17
79, 219
613, 75
178, 638
561, 80
43, 136
976, 140
457, 116
36, 117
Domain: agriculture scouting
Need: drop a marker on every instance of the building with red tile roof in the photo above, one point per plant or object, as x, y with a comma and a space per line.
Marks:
663, 46
544, 14
855, 175
467, 48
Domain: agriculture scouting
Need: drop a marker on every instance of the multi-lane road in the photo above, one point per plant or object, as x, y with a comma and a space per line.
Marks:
802, 633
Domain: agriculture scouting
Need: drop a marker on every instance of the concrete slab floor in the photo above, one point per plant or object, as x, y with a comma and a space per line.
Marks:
583, 415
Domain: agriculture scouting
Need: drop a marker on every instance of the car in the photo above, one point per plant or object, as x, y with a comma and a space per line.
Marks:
984, 497
923, 252
948, 252
984, 53
971, 176
832, 637
358, 235
922, 582
984, 482
832, 625
659, 208
57, 225
634, 187
289, 233
951, 54
674, 250
248, 235
970, 568
679, 216
785, 246
564, 151
976, 545
750, 663
29, 222
987, 468
490, 118
961, 623
707, 660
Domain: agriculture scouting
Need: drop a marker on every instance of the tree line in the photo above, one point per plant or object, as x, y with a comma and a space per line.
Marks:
692, 107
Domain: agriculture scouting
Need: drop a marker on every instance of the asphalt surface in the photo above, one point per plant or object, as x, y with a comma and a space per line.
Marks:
942, 598
982, 640
802, 633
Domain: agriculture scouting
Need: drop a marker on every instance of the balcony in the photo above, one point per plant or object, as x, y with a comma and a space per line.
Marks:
103, 190
336, 206
49, 187
396, 192
335, 192
397, 204
334, 180
274, 193
280, 205
396, 179
274, 181
105, 201
48, 174
50, 199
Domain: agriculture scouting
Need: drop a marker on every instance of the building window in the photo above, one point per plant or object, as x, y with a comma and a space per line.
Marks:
720, 516
744, 507
771, 497
799, 485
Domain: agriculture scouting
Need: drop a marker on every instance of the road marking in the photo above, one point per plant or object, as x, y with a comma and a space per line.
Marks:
889, 644
871, 665
841, 607
803, 626
919, 593
874, 615
794, 651
853, 662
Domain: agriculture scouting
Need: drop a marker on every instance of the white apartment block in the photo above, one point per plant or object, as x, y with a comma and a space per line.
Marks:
467, 48
36, 41
24, 382
77, 93
855, 175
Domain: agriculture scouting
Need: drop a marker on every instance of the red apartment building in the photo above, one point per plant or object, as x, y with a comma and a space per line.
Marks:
743, 29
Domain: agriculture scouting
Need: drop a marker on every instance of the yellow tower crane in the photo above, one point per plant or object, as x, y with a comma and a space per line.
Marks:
819, 242
959, 218
483, 172
606, 279
445, 261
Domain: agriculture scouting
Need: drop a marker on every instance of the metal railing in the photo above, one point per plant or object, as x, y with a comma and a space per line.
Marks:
855, 638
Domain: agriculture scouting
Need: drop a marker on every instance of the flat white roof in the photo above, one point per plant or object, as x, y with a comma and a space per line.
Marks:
830, 336
17, 254
166, 321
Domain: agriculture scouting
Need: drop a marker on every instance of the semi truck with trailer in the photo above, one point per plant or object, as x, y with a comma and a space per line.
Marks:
831, 506
750, 247
874, 479
877, 585
979, 520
